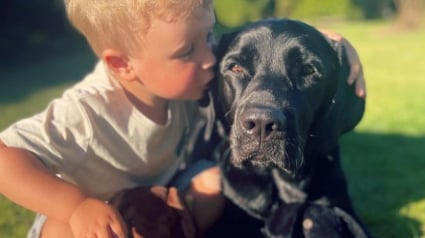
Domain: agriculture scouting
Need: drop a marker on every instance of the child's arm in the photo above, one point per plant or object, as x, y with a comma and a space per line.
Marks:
206, 200
25, 181
356, 70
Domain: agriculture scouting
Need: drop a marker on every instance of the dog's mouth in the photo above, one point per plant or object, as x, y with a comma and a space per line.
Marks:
267, 137
262, 158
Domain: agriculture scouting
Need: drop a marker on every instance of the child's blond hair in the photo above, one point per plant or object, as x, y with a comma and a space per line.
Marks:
121, 24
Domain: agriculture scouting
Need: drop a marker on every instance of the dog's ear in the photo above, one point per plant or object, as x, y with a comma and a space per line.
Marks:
349, 107
354, 228
223, 43
344, 112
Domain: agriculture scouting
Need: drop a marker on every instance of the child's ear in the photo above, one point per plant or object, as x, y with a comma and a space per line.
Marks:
118, 64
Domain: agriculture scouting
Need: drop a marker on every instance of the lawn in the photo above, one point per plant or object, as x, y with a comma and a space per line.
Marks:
382, 158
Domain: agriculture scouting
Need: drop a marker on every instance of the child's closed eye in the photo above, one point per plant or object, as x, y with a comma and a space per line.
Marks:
188, 51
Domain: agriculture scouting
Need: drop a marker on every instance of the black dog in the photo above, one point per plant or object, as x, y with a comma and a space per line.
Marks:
283, 100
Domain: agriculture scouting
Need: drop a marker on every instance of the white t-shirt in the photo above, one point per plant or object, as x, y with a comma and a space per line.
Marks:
95, 138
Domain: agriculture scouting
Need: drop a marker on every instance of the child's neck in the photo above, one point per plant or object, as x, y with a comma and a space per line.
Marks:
155, 109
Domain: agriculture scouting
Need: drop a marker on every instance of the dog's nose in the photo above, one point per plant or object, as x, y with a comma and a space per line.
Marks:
262, 122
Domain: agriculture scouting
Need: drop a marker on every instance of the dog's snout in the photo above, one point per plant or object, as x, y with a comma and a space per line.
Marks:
262, 122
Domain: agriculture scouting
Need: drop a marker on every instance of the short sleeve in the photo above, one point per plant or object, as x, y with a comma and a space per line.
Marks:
59, 136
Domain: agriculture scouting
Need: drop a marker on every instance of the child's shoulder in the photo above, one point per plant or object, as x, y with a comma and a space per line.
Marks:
95, 87
95, 82
96, 95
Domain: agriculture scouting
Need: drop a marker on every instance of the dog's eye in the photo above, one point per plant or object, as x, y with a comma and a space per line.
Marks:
236, 68
307, 69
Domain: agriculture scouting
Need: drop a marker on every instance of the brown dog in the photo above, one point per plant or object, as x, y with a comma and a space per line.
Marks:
155, 212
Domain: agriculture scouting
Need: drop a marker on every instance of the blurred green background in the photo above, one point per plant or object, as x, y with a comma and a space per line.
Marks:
41, 55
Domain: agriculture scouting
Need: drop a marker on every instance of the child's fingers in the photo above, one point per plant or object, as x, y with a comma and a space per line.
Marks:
356, 69
355, 74
208, 182
118, 228
361, 87
356, 77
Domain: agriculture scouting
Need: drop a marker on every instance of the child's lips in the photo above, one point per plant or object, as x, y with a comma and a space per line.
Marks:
208, 84
210, 76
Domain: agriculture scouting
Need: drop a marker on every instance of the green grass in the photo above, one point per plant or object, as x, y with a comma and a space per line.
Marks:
383, 158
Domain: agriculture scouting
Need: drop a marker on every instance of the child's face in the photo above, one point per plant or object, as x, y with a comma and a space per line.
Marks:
176, 61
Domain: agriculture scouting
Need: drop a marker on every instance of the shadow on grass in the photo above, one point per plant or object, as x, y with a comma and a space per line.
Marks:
385, 175
24, 78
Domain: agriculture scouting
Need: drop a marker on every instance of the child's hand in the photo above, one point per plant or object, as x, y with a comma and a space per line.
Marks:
205, 198
208, 181
356, 70
94, 218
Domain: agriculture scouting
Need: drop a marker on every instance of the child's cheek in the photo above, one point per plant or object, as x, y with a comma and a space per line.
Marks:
182, 83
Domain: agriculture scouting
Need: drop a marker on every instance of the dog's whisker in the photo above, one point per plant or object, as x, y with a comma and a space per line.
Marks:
313, 135
226, 114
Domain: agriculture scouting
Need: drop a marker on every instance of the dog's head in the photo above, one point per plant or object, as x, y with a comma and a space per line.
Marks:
282, 88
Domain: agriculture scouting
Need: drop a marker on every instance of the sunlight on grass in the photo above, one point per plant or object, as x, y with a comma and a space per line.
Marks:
14, 221
415, 211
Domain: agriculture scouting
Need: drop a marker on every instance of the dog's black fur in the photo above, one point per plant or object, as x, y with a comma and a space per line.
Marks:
282, 98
